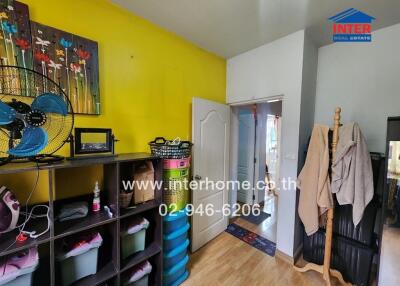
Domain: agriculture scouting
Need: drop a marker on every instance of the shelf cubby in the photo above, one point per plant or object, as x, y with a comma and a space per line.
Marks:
73, 181
153, 244
9, 245
106, 264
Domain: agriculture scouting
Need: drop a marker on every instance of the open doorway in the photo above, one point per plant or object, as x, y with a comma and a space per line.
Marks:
258, 138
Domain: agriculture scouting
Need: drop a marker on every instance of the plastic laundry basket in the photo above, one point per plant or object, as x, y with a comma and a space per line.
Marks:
175, 193
173, 275
176, 238
174, 221
134, 238
144, 281
18, 269
80, 261
173, 257
140, 275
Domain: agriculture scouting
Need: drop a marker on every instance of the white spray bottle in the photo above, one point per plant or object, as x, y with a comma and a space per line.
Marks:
96, 198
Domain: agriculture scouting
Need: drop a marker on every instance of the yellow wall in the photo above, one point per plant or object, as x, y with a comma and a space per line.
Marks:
148, 75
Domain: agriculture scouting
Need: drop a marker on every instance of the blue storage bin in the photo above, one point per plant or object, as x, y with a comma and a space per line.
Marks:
181, 279
176, 238
173, 274
173, 257
175, 221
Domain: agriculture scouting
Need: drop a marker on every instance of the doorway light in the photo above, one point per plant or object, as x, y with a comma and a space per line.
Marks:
273, 100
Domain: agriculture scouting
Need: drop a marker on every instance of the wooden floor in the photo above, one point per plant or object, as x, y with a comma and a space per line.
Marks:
267, 228
227, 260
390, 253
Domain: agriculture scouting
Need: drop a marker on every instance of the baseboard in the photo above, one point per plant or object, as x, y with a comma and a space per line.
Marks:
288, 259
284, 257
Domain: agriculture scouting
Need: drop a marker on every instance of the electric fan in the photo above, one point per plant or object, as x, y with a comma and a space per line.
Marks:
36, 116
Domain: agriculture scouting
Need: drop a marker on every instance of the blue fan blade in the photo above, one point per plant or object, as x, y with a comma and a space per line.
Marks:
50, 103
7, 114
32, 142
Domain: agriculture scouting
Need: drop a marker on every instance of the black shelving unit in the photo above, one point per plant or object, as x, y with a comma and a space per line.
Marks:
112, 269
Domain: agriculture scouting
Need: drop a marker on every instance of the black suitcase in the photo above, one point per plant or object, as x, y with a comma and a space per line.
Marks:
352, 259
364, 232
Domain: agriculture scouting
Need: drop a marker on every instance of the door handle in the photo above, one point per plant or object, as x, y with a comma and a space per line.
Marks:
197, 177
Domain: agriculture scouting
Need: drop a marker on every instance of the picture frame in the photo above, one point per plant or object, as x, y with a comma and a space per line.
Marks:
93, 141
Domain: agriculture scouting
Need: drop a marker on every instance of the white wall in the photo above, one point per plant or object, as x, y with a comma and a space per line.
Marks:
364, 79
308, 95
266, 72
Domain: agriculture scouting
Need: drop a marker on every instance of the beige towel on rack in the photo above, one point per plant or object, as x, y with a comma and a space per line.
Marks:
313, 181
352, 177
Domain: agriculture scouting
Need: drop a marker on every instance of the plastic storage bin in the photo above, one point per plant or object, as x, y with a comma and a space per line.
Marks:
18, 269
175, 193
133, 239
80, 261
175, 273
140, 275
181, 279
173, 257
175, 221
176, 163
170, 174
176, 238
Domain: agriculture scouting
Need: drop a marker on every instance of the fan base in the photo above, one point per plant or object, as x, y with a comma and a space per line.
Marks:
46, 159
40, 159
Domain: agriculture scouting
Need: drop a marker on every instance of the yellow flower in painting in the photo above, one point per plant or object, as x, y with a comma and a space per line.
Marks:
3, 15
60, 53
82, 62
1, 37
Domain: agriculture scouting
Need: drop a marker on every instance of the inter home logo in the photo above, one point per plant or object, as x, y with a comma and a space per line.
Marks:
352, 26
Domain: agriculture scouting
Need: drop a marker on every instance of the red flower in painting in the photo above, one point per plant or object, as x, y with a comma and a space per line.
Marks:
42, 57
76, 68
22, 44
84, 55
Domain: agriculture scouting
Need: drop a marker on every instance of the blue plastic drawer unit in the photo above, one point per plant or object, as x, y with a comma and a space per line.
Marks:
175, 221
173, 276
173, 257
176, 238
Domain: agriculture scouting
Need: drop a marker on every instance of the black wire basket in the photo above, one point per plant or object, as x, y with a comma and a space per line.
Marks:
170, 149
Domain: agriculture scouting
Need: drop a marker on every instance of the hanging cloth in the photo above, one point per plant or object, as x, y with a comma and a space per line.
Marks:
314, 182
352, 177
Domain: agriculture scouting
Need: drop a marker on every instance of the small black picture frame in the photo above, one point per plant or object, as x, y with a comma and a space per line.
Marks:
81, 147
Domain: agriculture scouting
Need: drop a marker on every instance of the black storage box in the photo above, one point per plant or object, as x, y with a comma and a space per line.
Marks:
352, 259
364, 232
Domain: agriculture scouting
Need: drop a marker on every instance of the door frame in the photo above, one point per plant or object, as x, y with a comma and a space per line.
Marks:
234, 146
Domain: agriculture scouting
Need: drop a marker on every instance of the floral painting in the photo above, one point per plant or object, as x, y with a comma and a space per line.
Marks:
72, 62
15, 34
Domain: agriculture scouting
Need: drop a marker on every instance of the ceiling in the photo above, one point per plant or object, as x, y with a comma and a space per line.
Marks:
230, 27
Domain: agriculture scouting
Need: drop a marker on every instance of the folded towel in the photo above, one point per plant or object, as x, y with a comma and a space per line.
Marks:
73, 211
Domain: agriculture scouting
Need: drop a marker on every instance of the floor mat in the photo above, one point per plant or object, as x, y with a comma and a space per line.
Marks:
256, 219
253, 239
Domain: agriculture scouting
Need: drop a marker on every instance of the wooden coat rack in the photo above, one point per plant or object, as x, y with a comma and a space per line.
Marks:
325, 269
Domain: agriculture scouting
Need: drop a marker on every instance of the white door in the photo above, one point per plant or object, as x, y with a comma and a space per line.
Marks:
245, 170
210, 127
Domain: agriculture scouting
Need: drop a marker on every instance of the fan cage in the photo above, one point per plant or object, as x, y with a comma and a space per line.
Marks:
23, 84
